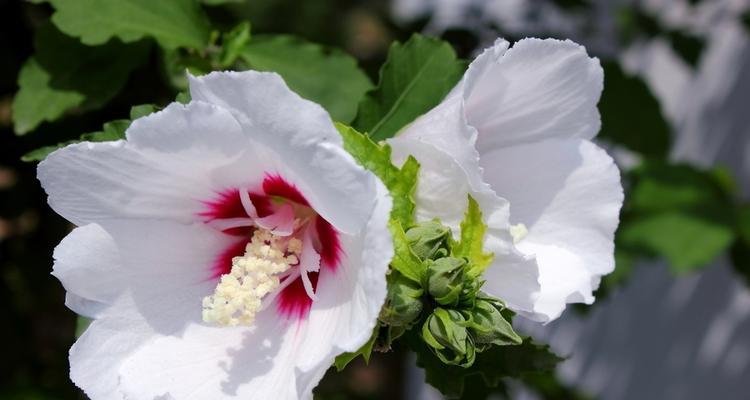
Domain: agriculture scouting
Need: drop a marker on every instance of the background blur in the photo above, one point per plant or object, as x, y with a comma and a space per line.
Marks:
673, 322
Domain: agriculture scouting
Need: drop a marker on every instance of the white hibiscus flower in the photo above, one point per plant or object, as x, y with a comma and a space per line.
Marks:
515, 134
228, 248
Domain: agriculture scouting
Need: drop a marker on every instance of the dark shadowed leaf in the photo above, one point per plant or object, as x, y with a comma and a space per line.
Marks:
65, 74
173, 23
492, 365
326, 76
631, 115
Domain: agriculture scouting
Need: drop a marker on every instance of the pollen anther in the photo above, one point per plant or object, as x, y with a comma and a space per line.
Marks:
238, 296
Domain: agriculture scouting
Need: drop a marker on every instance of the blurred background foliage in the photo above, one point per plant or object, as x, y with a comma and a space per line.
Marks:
73, 67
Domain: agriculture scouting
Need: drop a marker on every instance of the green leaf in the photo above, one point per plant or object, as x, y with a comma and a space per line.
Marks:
113, 130
172, 23
36, 101
342, 360
415, 78
142, 110
65, 74
471, 244
81, 324
660, 186
401, 184
219, 2
493, 365
625, 97
404, 259
326, 76
687, 240
743, 222
233, 43
42, 152
176, 62
376, 158
183, 97
678, 212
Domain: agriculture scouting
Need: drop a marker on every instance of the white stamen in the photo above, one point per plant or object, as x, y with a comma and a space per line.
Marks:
239, 294
247, 204
223, 224
518, 232
309, 262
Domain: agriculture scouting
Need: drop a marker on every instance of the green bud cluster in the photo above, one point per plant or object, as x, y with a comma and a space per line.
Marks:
458, 320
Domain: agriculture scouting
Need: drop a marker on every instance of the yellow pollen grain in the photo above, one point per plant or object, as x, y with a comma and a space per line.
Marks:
238, 296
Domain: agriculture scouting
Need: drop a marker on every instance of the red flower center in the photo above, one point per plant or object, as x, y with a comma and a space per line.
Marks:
227, 211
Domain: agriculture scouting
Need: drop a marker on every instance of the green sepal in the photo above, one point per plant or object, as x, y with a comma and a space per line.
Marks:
487, 325
404, 260
471, 242
342, 360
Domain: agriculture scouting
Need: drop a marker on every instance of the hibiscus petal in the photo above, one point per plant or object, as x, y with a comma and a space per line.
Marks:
204, 362
87, 262
147, 176
568, 194
303, 136
538, 89
145, 278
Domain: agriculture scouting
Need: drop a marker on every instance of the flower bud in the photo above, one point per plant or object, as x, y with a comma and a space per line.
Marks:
445, 332
488, 326
469, 292
444, 279
429, 240
403, 302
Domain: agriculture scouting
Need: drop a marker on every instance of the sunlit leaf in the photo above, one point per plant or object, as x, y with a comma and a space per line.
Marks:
401, 182
415, 77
